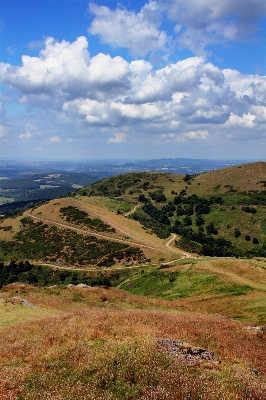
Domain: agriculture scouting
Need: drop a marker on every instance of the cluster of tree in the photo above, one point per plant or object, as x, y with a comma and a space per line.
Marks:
204, 239
250, 210
246, 198
47, 194
38, 241
161, 230
40, 275
19, 183
74, 215
158, 219
158, 196
18, 207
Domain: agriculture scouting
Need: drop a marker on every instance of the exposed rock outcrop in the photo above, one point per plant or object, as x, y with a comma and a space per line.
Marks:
186, 353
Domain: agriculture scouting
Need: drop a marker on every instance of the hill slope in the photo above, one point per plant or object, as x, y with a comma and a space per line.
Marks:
222, 212
147, 311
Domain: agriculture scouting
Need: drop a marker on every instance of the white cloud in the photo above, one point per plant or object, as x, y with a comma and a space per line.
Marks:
194, 135
65, 71
118, 138
198, 24
31, 131
204, 22
260, 113
74, 92
55, 139
246, 121
138, 32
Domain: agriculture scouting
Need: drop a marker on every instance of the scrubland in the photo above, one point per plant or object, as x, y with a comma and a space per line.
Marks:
98, 343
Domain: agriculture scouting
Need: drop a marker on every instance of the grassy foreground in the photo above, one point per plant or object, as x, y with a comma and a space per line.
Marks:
98, 343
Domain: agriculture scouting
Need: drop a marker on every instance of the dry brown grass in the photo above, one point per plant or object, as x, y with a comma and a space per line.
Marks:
101, 346
127, 230
242, 272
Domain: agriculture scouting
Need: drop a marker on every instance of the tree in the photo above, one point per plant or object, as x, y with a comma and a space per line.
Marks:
199, 220
142, 198
187, 220
211, 230
179, 210
237, 233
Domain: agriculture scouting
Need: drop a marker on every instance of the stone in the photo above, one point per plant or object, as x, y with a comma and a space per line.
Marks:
185, 352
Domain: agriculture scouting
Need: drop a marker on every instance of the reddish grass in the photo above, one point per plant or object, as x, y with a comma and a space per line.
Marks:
95, 349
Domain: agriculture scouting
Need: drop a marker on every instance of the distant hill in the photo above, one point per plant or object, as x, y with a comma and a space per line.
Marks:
239, 178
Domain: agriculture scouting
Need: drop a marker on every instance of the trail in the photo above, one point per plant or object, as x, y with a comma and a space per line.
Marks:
232, 275
132, 211
185, 254
83, 207
92, 233
84, 269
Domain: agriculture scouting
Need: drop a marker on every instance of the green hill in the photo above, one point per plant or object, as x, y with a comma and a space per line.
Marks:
216, 213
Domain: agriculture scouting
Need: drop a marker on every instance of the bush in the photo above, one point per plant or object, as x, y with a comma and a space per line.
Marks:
237, 233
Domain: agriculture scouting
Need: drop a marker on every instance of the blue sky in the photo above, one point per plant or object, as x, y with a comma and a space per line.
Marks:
132, 79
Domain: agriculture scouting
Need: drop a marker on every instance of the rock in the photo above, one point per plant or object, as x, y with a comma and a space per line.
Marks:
256, 328
254, 371
82, 285
186, 353
18, 301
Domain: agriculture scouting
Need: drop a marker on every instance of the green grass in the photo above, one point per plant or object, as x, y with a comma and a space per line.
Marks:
13, 314
115, 205
173, 285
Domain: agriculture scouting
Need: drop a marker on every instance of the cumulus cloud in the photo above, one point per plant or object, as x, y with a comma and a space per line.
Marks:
82, 93
198, 24
119, 137
138, 32
195, 135
63, 71
204, 22
31, 131
246, 121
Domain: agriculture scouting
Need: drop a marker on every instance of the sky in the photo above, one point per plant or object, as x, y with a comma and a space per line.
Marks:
102, 79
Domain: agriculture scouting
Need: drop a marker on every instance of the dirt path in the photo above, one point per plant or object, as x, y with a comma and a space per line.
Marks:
138, 240
132, 211
84, 269
210, 266
185, 254
91, 233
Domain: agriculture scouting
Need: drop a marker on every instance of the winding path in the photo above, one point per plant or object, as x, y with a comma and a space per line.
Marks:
185, 254
92, 233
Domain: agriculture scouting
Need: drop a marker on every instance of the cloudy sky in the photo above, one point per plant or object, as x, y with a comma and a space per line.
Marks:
132, 79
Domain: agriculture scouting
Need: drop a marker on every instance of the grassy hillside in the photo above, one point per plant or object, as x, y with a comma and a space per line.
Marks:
69, 233
96, 343
121, 239
216, 213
